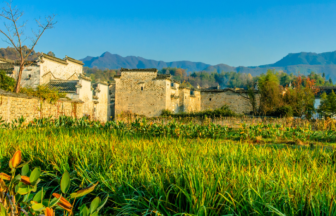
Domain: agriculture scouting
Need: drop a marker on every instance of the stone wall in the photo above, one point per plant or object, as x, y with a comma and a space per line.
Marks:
140, 93
144, 92
14, 106
83, 103
236, 101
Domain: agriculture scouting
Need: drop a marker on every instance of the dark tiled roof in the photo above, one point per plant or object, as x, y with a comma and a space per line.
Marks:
225, 90
68, 86
81, 76
212, 88
8, 67
74, 60
117, 76
139, 70
163, 76
62, 61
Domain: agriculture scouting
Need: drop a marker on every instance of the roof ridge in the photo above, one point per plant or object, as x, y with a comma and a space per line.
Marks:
53, 58
73, 60
139, 70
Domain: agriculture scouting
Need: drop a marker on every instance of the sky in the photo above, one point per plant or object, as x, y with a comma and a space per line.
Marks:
233, 32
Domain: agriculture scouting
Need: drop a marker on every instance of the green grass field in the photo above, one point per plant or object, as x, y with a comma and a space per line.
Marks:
179, 175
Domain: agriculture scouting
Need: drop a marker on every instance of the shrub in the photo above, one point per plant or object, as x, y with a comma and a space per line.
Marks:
44, 92
18, 193
224, 111
6, 83
166, 113
283, 111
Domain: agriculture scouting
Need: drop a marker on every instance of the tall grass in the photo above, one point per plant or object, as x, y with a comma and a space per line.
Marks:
168, 176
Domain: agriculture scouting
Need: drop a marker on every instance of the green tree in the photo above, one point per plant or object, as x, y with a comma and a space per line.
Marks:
328, 104
270, 95
51, 53
6, 83
302, 97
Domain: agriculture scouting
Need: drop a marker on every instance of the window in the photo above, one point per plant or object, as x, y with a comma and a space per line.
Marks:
141, 88
209, 99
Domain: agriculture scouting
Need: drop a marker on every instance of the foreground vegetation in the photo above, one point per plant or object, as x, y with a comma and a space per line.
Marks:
305, 132
146, 171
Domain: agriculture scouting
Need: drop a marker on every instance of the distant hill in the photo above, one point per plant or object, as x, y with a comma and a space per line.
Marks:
295, 63
12, 54
305, 58
303, 63
114, 61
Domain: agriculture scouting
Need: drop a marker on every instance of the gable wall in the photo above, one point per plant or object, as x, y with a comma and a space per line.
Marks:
103, 107
130, 98
58, 70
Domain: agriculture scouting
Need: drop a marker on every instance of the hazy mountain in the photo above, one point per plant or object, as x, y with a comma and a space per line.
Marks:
292, 63
114, 61
305, 58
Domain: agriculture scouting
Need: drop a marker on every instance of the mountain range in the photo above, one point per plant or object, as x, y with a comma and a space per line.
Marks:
302, 63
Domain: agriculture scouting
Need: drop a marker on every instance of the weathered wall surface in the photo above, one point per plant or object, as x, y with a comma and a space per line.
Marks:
140, 93
13, 106
62, 69
85, 94
192, 101
174, 100
30, 75
234, 100
103, 105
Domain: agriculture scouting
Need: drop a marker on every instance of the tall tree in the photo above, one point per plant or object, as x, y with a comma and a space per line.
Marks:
13, 31
270, 92
302, 97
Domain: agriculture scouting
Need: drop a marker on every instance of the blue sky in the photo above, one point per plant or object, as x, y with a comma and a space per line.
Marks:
233, 32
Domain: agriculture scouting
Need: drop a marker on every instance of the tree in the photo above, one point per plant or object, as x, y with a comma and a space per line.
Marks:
14, 34
51, 54
302, 97
327, 107
270, 94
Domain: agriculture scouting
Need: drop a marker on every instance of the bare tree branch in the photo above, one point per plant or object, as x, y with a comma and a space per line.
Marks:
15, 31
49, 25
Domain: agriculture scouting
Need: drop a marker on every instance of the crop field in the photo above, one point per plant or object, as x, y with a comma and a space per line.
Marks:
182, 169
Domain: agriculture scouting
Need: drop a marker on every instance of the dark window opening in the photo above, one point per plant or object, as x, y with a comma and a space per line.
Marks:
209, 99
141, 88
